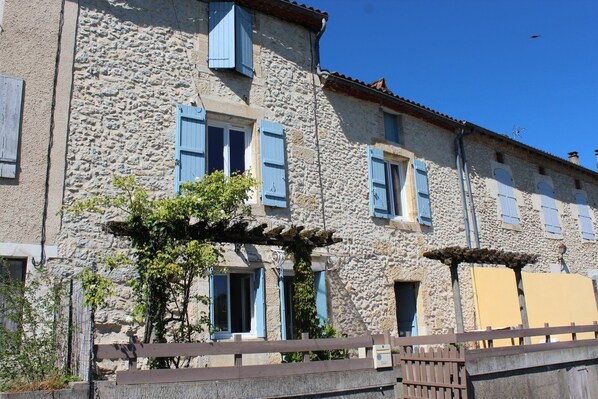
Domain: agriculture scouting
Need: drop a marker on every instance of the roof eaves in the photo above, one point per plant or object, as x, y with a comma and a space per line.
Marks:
292, 11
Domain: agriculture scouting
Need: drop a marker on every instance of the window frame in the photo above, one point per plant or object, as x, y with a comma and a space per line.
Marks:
227, 127
390, 189
227, 334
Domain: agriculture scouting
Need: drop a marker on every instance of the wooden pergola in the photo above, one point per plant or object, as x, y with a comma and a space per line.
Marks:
453, 256
243, 233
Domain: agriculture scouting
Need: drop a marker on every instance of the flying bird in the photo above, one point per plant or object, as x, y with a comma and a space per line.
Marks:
534, 36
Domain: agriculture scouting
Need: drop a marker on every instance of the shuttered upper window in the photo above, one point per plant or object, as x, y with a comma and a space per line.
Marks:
549, 208
506, 196
11, 100
585, 219
230, 38
389, 196
392, 127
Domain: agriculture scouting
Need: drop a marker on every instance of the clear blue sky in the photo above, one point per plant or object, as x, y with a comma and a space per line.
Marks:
475, 60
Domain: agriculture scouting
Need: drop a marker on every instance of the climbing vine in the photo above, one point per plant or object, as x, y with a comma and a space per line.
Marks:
167, 262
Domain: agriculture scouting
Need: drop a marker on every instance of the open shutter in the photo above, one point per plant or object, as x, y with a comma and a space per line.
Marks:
221, 47
272, 153
585, 220
11, 100
260, 303
377, 179
321, 297
244, 43
212, 299
283, 311
190, 157
508, 203
551, 213
424, 213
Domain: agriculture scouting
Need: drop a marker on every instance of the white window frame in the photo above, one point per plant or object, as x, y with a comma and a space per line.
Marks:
391, 192
253, 330
227, 127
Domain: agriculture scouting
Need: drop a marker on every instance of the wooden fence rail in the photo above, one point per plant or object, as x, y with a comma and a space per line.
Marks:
405, 348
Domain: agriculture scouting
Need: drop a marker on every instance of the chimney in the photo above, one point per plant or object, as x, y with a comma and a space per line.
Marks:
574, 157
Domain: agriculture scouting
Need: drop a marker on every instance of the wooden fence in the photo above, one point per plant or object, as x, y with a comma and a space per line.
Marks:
436, 373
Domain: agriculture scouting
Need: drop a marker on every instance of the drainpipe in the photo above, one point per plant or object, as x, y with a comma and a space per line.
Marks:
474, 218
458, 162
319, 72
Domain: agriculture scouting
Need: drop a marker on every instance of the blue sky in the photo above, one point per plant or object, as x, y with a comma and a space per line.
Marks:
475, 60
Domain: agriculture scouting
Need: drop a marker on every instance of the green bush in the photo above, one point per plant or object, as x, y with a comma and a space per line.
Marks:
30, 330
325, 331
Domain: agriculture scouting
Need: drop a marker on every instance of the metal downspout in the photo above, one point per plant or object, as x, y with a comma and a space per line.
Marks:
474, 218
458, 163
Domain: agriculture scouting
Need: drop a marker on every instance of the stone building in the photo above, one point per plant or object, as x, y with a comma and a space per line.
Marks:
169, 91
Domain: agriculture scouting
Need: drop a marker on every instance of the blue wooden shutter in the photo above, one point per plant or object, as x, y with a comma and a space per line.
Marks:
508, 203
377, 179
211, 288
221, 47
11, 100
551, 213
260, 302
244, 42
321, 297
272, 153
283, 311
190, 145
391, 127
585, 220
424, 213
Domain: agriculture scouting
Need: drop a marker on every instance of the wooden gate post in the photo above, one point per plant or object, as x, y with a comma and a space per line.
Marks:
457, 296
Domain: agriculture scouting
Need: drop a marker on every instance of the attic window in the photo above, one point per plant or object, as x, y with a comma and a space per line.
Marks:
231, 38
499, 157
541, 170
577, 184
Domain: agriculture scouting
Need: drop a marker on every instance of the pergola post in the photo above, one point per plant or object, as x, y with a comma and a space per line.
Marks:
521, 295
457, 296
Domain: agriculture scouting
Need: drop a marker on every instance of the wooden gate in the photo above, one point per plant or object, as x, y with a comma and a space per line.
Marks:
434, 374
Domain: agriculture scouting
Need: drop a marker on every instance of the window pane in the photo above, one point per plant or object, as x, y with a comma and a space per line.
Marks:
396, 189
237, 151
288, 305
388, 188
221, 302
215, 149
240, 302
391, 127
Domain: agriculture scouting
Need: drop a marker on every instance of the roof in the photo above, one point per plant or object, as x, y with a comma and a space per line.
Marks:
378, 92
309, 17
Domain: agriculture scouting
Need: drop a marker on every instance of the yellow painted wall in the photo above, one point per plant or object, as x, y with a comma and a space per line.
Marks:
557, 299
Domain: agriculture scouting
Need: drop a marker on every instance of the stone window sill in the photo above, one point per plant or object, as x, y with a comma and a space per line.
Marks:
552, 236
406, 225
513, 227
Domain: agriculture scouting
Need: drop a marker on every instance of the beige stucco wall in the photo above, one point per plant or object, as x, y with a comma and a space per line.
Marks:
136, 59
28, 49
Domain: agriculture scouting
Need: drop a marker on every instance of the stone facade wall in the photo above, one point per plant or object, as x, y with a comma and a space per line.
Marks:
136, 59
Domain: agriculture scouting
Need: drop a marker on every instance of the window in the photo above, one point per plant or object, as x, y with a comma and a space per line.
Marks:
237, 303
230, 38
395, 188
549, 209
11, 99
286, 289
228, 148
204, 146
585, 220
392, 189
15, 270
506, 196
392, 127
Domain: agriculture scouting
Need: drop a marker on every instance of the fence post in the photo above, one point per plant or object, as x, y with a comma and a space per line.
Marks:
368, 349
490, 340
547, 337
573, 333
133, 361
596, 329
520, 326
238, 356
305, 335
